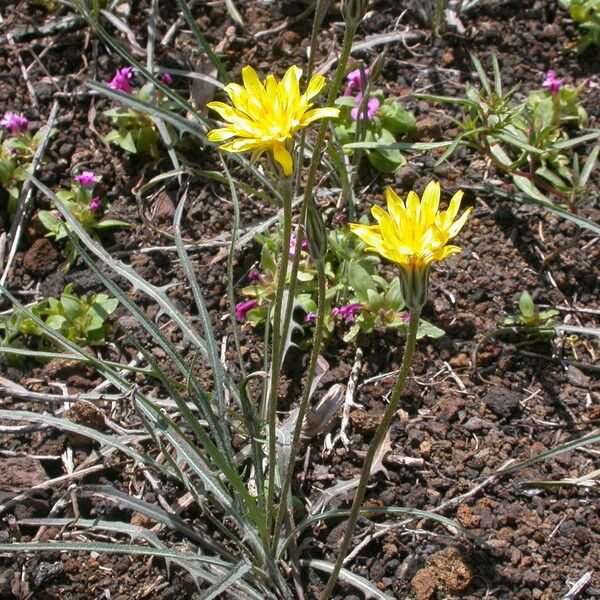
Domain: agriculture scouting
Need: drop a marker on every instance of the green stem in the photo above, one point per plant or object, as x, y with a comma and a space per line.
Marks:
312, 367
378, 438
271, 406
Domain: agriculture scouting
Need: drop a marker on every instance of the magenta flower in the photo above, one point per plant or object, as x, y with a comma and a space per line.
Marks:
552, 83
14, 123
166, 79
294, 244
86, 179
373, 105
310, 318
95, 203
347, 312
242, 308
406, 317
121, 80
254, 275
355, 81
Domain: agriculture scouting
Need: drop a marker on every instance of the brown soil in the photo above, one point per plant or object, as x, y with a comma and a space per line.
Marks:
459, 425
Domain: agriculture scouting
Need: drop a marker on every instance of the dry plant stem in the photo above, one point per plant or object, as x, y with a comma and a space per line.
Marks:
278, 344
373, 448
310, 375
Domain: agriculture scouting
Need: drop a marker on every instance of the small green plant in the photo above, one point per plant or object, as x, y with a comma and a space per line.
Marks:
80, 319
358, 298
85, 207
586, 13
135, 131
368, 116
531, 316
531, 139
17, 149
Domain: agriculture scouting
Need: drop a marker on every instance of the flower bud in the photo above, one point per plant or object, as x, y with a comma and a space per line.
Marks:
316, 232
414, 280
353, 11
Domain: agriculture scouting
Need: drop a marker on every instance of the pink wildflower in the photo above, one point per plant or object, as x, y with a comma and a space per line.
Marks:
242, 308
355, 81
372, 107
86, 179
347, 312
310, 318
14, 123
406, 317
552, 83
294, 244
166, 79
121, 80
95, 203
254, 275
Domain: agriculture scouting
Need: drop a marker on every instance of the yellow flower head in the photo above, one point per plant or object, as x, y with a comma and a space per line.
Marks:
416, 233
265, 115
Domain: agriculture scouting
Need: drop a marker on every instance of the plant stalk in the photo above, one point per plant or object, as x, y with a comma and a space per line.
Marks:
312, 367
277, 349
378, 438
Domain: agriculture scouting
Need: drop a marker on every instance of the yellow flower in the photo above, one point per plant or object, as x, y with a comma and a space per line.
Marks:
414, 234
266, 115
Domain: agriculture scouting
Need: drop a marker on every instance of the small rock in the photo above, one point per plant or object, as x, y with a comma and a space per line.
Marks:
452, 572
84, 413
501, 401
46, 571
425, 584
164, 209
477, 424
577, 378
466, 517
448, 57
41, 258
448, 408
406, 177
20, 474
427, 128
59, 368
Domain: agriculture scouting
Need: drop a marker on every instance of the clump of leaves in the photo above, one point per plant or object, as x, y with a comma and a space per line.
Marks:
531, 139
85, 207
530, 316
134, 130
586, 13
358, 299
81, 319
17, 150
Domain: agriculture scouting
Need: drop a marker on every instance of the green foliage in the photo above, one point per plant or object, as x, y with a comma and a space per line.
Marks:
531, 139
16, 156
80, 319
79, 200
352, 278
586, 13
390, 122
530, 316
135, 131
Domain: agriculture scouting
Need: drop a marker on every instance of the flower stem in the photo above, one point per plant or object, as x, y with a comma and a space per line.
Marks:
310, 375
278, 345
378, 438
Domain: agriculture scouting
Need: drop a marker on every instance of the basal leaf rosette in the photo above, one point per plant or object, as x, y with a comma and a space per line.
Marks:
414, 234
266, 114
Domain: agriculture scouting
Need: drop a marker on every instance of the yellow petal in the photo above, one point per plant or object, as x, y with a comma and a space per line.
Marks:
252, 83
458, 225
319, 113
218, 135
315, 85
284, 158
395, 205
430, 203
